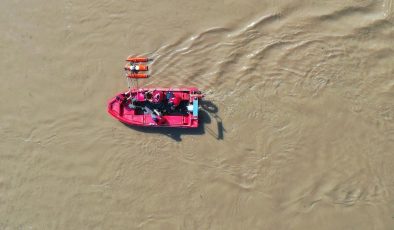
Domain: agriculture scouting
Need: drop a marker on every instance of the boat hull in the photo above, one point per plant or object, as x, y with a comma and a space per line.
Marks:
186, 116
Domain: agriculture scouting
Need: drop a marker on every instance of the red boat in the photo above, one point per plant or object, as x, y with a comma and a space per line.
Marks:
157, 107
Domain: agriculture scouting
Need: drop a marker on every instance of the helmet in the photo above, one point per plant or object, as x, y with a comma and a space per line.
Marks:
140, 96
158, 96
175, 101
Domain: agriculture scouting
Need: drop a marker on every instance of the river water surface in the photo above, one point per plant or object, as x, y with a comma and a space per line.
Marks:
297, 132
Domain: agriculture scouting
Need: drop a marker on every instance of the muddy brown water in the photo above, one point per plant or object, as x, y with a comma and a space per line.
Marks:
297, 130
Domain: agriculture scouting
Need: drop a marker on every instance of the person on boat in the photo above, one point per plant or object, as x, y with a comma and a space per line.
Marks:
155, 115
169, 95
174, 102
157, 97
149, 96
122, 97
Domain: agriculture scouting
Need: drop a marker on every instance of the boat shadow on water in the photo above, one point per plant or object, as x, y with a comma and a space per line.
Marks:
208, 112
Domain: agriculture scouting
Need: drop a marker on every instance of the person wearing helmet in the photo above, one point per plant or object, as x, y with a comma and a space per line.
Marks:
157, 97
149, 96
174, 102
